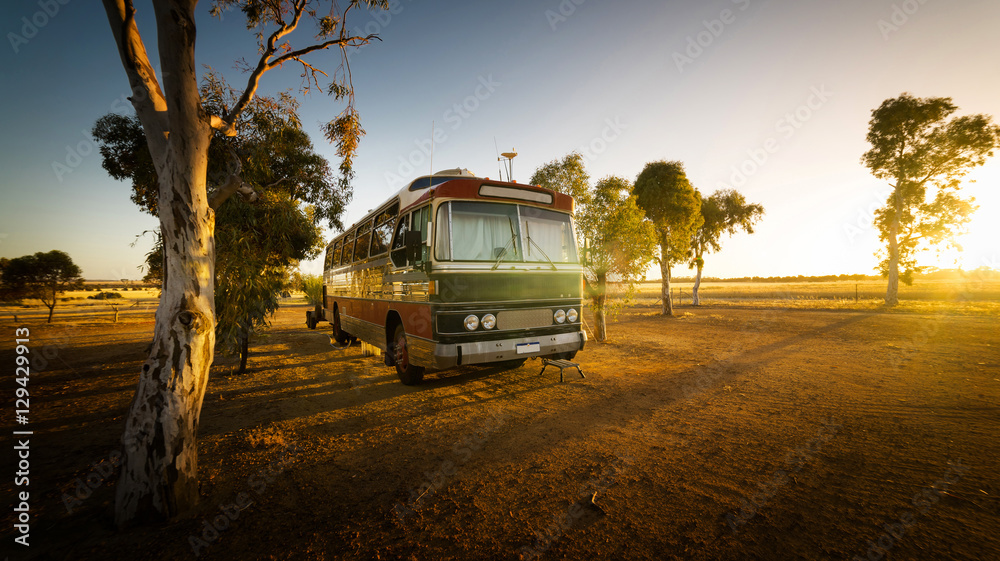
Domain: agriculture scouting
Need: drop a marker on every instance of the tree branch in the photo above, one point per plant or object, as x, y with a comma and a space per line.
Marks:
175, 32
262, 65
147, 98
233, 184
265, 63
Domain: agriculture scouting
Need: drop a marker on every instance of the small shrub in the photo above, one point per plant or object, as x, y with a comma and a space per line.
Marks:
105, 296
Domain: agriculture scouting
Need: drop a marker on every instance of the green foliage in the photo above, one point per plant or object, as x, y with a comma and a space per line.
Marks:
125, 156
565, 176
725, 212
104, 296
42, 275
345, 133
255, 242
924, 157
664, 193
621, 243
271, 151
312, 286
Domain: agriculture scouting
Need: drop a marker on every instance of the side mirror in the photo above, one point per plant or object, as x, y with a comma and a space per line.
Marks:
414, 247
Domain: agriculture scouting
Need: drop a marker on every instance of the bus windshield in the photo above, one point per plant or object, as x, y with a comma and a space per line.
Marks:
476, 231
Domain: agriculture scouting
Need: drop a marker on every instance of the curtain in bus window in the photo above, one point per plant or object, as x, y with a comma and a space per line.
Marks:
479, 237
549, 231
442, 242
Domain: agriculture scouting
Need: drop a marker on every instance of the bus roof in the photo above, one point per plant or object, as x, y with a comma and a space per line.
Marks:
461, 183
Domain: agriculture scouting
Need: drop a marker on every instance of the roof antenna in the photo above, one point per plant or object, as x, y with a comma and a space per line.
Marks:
499, 165
510, 163
430, 182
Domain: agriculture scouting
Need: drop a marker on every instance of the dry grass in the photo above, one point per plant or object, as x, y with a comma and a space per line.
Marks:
970, 297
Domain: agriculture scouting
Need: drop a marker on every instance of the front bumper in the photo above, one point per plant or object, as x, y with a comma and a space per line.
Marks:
439, 356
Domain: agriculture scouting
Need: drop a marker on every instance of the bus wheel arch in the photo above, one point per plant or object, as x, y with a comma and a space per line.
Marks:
339, 335
409, 373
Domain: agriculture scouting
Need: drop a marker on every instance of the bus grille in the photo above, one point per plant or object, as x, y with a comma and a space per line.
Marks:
524, 319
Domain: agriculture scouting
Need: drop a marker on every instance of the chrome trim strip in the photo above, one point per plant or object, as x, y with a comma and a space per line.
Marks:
446, 356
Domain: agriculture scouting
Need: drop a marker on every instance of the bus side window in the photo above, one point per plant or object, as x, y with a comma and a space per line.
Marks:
420, 219
335, 255
398, 254
383, 230
348, 254
364, 238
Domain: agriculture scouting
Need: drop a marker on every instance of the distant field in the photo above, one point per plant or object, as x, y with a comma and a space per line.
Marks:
962, 296
76, 305
925, 296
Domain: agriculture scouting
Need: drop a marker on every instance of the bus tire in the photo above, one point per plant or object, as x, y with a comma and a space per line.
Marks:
339, 335
408, 373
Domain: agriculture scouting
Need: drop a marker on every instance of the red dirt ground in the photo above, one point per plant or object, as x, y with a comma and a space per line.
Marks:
720, 434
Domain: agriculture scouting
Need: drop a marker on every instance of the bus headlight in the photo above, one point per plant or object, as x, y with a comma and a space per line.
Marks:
572, 316
471, 322
559, 316
489, 321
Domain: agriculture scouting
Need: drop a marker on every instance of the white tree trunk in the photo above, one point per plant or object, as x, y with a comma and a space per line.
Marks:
600, 313
668, 303
159, 470
695, 300
160, 460
892, 288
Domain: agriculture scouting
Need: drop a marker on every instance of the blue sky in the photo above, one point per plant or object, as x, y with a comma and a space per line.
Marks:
770, 97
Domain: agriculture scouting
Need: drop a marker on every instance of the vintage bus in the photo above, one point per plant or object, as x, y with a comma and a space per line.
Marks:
455, 270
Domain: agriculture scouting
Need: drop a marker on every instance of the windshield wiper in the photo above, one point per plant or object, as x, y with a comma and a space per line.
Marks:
503, 252
513, 238
540, 250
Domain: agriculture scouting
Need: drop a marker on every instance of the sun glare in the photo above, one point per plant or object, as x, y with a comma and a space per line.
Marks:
980, 242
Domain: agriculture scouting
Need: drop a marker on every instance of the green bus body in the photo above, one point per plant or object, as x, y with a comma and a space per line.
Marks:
409, 277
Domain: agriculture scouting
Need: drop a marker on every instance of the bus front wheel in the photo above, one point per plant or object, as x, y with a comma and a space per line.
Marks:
408, 373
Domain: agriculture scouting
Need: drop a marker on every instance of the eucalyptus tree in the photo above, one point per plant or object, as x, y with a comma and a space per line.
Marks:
159, 468
620, 244
663, 191
923, 155
725, 212
42, 276
568, 176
